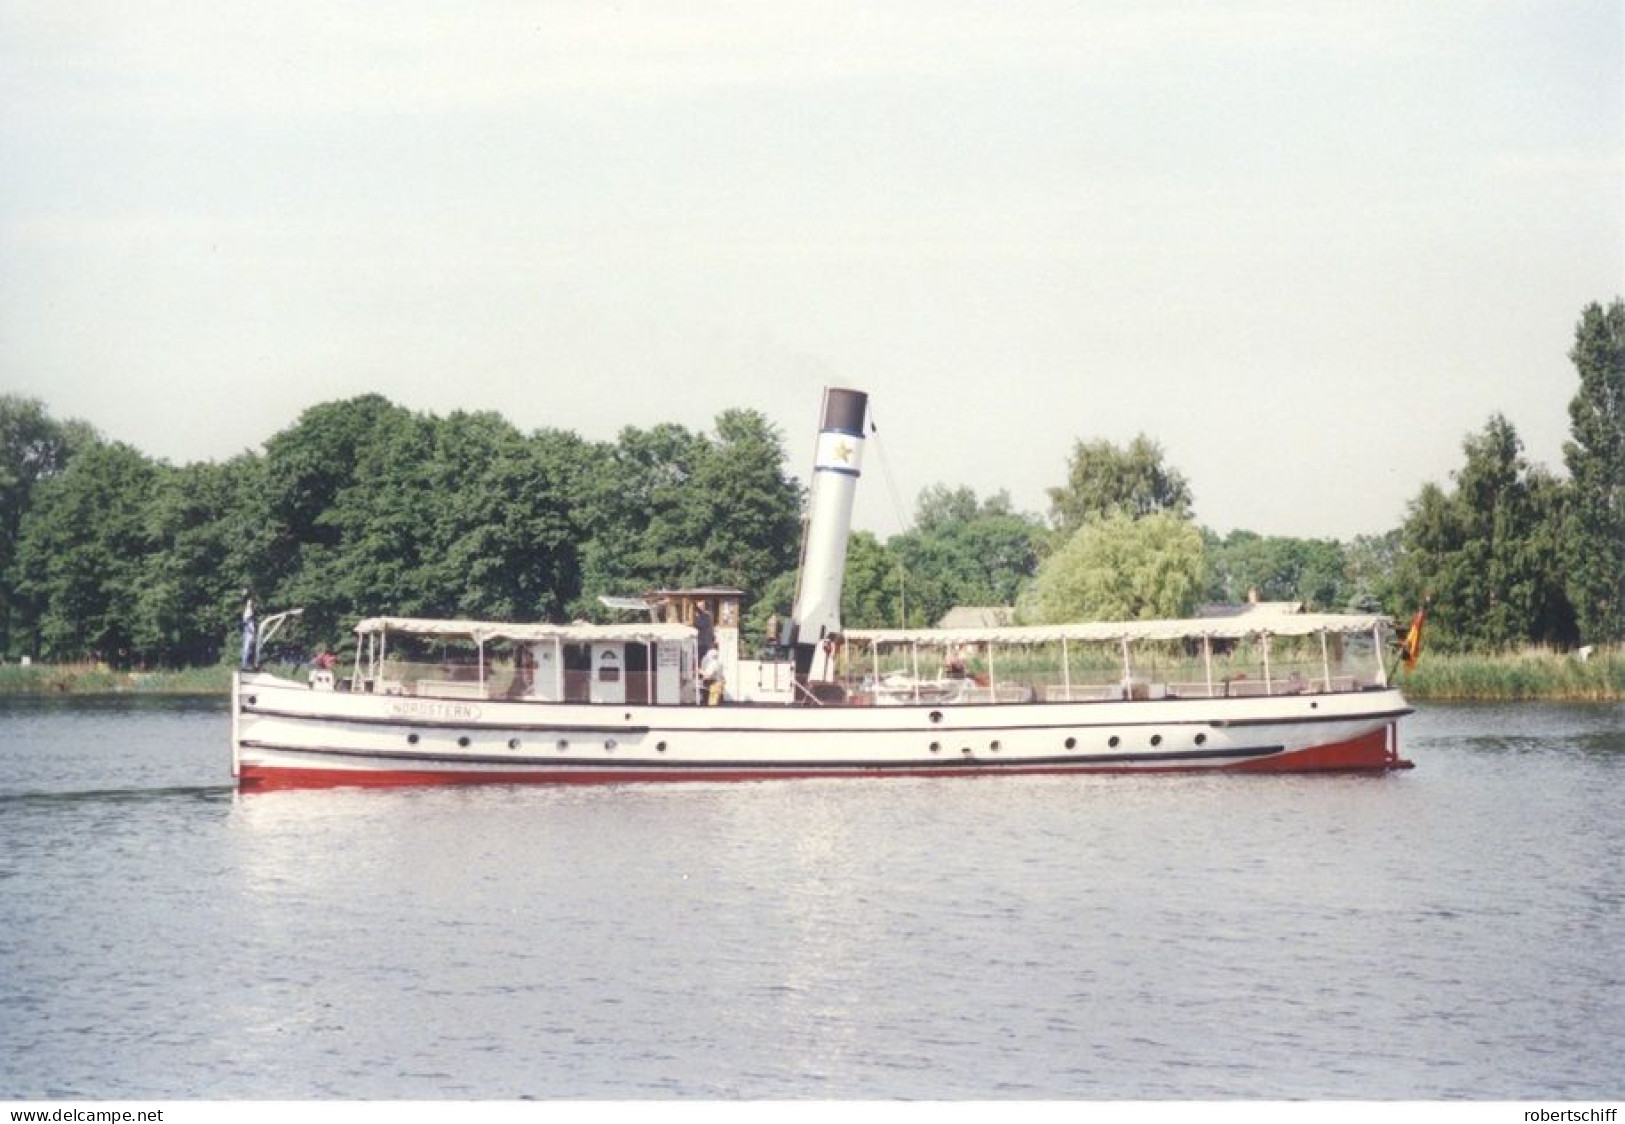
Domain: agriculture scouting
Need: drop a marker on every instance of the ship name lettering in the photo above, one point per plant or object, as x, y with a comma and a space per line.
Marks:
420, 708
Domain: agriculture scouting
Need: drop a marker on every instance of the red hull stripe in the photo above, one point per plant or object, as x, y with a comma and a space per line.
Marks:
1369, 753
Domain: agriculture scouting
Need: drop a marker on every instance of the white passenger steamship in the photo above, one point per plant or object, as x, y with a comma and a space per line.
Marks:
447, 701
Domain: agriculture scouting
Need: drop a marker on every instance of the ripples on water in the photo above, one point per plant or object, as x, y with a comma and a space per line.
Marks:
1456, 931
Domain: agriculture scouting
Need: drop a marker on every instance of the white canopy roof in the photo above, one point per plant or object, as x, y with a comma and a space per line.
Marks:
1219, 628
637, 632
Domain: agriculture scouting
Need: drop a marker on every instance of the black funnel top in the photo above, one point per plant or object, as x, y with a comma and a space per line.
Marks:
843, 411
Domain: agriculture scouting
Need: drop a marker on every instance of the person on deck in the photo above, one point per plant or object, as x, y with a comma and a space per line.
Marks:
702, 625
248, 630
711, 678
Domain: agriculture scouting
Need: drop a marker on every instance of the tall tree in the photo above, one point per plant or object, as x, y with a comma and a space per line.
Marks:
966, 551
33, 447
745, 503
1117, 567
1482, 555
308, 468
670, 507
192, 577
1104, 480
459, 516
872, 595
1277, 568
1370, 563
81, 558
1596, 461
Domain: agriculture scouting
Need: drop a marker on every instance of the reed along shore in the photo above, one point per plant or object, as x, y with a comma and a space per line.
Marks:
1536, 674
51, 680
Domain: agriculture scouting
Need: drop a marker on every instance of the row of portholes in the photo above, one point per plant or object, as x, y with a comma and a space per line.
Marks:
1114, 741
995, 746
1071, 743
561, 745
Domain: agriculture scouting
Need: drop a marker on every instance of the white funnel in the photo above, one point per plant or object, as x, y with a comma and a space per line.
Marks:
836, 467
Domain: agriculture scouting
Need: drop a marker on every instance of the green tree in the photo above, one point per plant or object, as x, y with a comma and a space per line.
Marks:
1104, 480
1595, 456
190, 594
1117, 567
744, 504
872, 591
1369, 565
81, 557
966, 551
33, 447
296, 518
1483, 555
459, 516
670, 507
1277, 568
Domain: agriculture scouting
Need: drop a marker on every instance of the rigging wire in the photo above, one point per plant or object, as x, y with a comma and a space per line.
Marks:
897, 514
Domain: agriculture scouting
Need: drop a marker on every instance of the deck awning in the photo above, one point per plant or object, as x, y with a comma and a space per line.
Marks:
1240, 628
634, 632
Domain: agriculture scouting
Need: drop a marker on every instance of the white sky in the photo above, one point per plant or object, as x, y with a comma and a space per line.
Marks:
1307, 246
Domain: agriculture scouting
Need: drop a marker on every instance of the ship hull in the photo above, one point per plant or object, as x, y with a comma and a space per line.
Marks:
288, 736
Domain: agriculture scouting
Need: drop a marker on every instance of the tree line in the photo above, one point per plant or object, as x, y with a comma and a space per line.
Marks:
363, 507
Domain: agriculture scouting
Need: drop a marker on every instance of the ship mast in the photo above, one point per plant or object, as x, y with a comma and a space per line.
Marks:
815, 622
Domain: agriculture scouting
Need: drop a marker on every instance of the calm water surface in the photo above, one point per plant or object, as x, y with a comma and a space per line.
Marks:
1455, 931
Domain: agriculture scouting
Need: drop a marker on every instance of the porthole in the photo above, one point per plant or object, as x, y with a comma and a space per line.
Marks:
563, 745
994, 745
463, 742
936, 747
660, 747
1072, 743
513, 743
1156, 739
253, 700
1114, 741
1201, 739
935, 716
965, 749
609, 743
411, 739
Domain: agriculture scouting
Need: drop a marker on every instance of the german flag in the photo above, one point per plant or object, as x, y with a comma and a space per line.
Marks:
1410, 648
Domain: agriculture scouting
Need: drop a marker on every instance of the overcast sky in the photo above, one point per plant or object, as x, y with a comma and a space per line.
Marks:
1306, 246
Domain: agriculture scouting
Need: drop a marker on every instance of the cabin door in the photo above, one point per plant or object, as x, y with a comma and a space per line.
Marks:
639, 682
608, 673
578, 672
